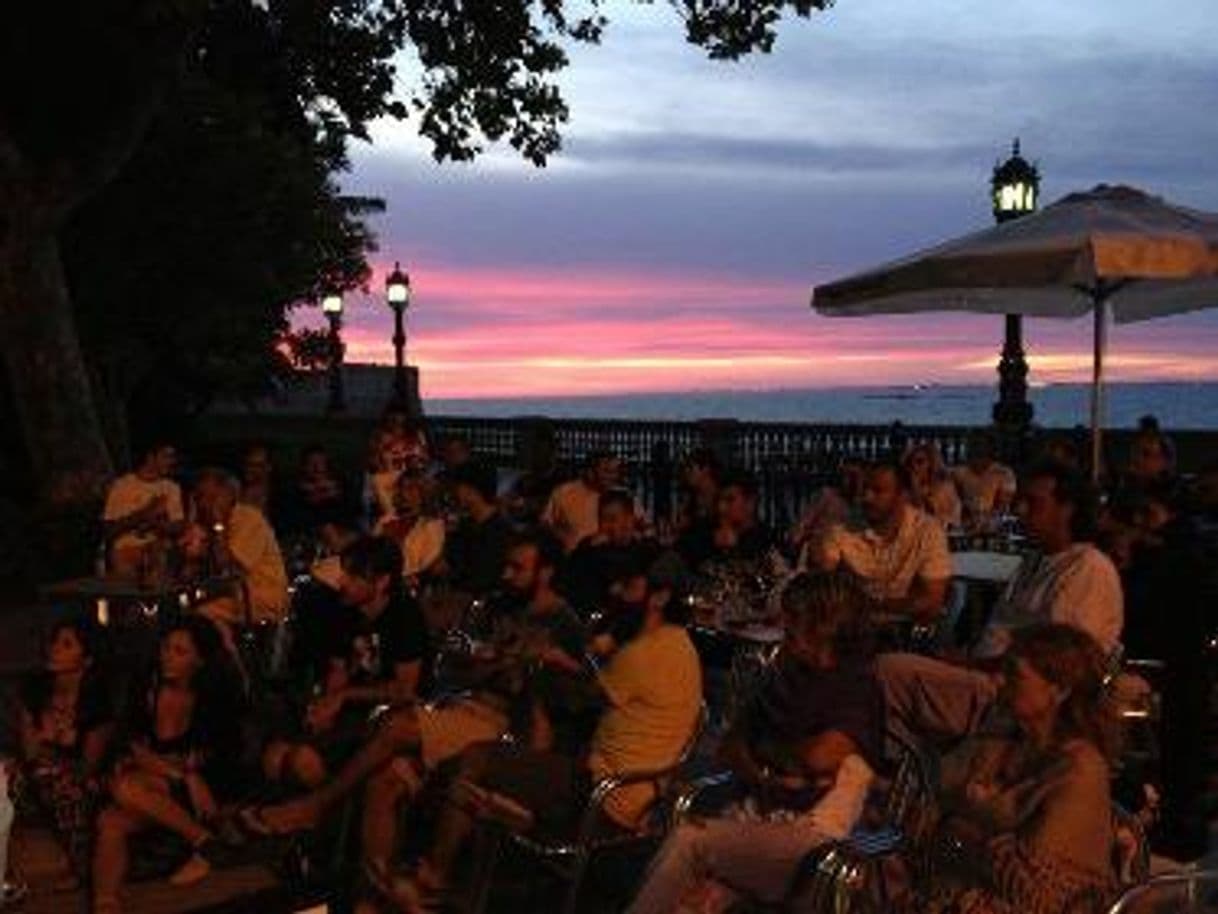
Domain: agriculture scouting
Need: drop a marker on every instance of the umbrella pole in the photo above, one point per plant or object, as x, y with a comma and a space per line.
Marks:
1100, 341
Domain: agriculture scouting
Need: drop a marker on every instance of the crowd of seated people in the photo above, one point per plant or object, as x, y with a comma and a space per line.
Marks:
455, 651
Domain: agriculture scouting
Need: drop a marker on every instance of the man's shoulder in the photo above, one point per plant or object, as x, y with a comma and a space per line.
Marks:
247, 517
668, 639
125, 482
1087, 558
927, 530
572, 488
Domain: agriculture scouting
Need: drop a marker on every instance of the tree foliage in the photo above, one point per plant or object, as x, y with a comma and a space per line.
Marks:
186, 152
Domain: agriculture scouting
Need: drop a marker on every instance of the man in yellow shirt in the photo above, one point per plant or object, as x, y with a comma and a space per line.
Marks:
653, 692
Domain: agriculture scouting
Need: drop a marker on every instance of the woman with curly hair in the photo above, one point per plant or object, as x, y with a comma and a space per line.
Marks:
1027, 818
182, 740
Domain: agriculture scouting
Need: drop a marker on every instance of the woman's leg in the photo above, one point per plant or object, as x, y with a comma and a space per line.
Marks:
757, 858
148, 796
114, 827
306, 767
397, 735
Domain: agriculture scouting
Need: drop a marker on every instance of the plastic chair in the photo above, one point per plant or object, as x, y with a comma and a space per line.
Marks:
1188, 892
503, 820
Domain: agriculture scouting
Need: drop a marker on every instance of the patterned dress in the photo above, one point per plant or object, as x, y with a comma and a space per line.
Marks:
1032, 836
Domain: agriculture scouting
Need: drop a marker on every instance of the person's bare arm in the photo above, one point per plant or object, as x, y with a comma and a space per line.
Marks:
96, 745
925, 601
138, 520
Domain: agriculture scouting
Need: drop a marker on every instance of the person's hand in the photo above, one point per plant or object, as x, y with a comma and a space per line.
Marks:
142, 756
145, 759
979, 793
156, 509
322, 712
559, 659
725, 537
602, 645
193, 541
201, 798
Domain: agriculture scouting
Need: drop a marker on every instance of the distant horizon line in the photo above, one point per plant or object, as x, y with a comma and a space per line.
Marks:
924, 386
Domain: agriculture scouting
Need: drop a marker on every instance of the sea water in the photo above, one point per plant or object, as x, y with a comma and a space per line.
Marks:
1176, 405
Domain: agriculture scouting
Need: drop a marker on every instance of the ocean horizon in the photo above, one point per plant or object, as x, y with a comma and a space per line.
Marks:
1179, 405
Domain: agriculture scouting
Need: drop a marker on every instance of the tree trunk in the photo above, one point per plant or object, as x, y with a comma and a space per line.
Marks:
47, 373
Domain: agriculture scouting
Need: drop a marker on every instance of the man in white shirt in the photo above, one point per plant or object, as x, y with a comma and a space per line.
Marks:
573, 511
142, 506
1069, 581
985, 485
901, 557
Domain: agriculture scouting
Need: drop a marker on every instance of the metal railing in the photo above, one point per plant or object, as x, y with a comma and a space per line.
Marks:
790, 459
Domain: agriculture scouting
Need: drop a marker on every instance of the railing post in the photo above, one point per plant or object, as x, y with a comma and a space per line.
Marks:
722, 437
536, 443
661, 471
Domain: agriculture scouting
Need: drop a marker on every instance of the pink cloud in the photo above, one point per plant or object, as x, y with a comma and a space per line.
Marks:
495, 332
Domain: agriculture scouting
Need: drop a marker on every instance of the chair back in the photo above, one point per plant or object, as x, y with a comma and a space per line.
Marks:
1130, 848
1192, 891
911, 791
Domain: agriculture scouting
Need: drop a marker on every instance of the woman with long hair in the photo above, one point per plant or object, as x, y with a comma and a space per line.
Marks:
398, 445
67, 726
183, 733
1027, 821
931, 486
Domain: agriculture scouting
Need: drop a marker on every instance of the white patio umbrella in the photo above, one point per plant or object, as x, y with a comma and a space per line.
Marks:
1112, 249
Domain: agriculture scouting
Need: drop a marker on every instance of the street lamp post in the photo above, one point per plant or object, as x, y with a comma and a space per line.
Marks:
1014, 186
332, 308
397, 294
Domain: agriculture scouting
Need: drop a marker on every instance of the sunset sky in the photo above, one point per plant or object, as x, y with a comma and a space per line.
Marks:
673, 243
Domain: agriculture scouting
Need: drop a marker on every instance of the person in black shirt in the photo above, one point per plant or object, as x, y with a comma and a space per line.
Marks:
735, 533
803, 753
615, 550
374, 650
474, 554
700, 474
411, 741
1171, 588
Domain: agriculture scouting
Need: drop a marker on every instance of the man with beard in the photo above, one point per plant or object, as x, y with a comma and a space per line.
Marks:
901, 557
539, 622
1066, 580
651, 688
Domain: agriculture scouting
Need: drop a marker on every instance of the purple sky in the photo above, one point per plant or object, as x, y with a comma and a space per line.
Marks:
672, 244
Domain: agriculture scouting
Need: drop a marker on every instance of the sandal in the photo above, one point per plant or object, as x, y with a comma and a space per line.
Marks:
402, 889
